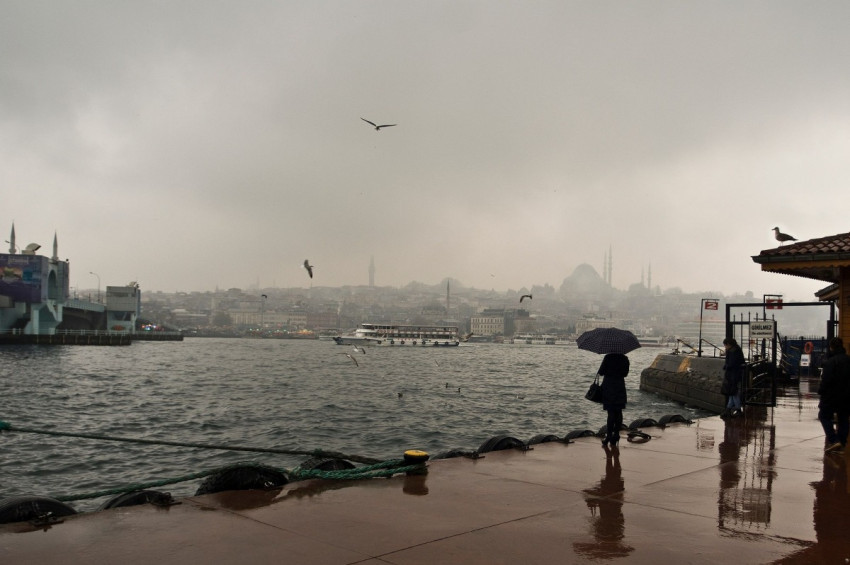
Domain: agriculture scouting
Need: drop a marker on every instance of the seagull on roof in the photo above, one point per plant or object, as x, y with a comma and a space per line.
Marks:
376, 126
524, 296
309, 267
782, 237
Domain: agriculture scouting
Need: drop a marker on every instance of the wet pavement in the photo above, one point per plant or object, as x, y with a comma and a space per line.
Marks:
755, 489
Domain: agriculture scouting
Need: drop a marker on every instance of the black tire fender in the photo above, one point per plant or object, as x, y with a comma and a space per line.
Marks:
643, 423
137, 497
671, 418
542, 438
23, 508
578, 433
243, 477
325, 464
498, 443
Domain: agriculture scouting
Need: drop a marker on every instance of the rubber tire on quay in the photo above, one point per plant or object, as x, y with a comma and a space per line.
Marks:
643, 423
456, 452
23, 508
498, 443
671, 418
543, 438
325, 464
137, 497
578, 433
243, 477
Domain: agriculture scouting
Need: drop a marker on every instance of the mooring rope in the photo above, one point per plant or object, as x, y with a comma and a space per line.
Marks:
373, 468
377, 470
311, 453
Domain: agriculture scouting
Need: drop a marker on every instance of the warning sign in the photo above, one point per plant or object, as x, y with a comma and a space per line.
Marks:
762, 330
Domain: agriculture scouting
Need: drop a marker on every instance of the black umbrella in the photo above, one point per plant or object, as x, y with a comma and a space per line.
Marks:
608, 340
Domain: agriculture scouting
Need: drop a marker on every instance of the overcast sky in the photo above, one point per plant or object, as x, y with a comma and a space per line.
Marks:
193, 145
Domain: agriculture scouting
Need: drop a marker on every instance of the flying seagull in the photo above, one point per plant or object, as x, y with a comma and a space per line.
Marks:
376, 126
309, 268
352, 358
782, 237
524, 296
361, 349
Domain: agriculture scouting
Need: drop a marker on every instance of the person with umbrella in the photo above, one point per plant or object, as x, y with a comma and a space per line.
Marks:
614, 343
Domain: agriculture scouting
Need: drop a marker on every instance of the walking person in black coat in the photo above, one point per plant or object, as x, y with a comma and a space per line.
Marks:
733, 377
614, 369
834, 405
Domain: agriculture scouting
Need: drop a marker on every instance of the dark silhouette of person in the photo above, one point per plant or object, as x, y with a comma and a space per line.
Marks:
614, 369
733, 377
834, 388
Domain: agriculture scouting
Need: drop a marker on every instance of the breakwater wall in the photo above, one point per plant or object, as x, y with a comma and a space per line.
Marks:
694, 381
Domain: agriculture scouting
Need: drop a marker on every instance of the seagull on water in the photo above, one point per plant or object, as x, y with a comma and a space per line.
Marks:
309, 267
782, 237
524, 296
376, 126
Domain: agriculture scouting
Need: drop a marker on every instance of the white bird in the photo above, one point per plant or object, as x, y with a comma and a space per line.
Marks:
376, 126
360, 349
352, 358
309, 268
782, 237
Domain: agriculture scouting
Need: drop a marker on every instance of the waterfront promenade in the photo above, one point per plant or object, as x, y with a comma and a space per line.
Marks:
757, 489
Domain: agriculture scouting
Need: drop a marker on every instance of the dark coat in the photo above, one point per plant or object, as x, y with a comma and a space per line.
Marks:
614, 368
733, 371
834, 385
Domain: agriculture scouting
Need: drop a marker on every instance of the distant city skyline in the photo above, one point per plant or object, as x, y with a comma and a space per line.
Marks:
195, 145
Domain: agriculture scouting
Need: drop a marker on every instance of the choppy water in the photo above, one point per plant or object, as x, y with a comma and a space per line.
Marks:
280, 394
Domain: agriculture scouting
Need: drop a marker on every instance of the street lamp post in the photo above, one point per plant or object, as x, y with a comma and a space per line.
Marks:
98, 285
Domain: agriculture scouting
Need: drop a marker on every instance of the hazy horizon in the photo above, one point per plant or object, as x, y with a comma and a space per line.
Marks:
198, 145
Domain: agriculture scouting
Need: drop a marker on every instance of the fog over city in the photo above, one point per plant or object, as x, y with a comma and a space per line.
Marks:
199, 145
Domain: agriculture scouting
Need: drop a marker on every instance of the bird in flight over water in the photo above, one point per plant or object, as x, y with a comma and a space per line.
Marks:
352, 358
524, 296
782, 237
376, 126
309, 267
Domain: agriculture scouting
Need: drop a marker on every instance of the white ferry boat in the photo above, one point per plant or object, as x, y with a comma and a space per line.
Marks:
401, 335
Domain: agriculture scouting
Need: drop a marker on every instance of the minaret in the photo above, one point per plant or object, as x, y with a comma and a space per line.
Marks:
372, 271
605, 268
12, 240
649, 276
55, 257
447, 297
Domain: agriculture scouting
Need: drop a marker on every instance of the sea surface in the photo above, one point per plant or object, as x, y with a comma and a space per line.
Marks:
281, 394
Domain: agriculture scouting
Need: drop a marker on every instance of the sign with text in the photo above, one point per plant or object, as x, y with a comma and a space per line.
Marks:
711, 304
773, 304
805, 360
762, 330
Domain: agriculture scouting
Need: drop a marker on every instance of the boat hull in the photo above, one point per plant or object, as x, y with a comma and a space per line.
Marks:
393, 342
401, 336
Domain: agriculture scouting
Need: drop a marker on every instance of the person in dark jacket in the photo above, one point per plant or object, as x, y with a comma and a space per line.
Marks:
834, 408
614, 368
733, 377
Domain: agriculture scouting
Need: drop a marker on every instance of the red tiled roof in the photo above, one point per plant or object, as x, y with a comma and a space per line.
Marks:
819, 259
821, 246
